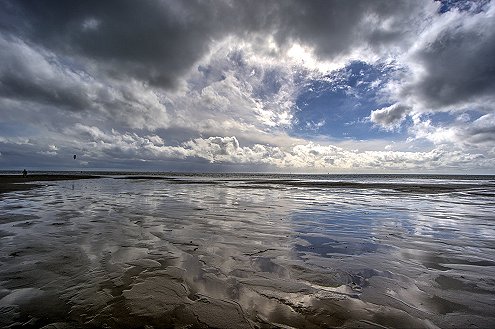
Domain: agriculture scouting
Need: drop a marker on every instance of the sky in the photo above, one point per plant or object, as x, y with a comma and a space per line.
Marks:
267, 86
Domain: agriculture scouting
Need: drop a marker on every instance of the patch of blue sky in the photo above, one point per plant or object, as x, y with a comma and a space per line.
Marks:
338, 105
475, 6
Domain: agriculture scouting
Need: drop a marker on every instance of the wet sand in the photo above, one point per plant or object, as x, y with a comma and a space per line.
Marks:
200, 252
9, 183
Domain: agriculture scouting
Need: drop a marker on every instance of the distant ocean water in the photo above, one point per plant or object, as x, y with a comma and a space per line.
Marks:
488, 180
260, 249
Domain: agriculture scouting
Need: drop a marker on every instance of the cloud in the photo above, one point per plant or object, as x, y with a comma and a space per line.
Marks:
109, 149
469, 135
450, 66
219, 82
214, 149
36, 76
390, 117
155, 41
228, 150
347, 28
159, 41
226, 95
482, 131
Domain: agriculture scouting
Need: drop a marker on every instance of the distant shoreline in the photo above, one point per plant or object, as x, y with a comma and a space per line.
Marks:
10, 183
65, 173
16, 182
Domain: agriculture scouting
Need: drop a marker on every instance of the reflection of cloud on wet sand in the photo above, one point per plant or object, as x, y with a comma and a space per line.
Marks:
124, 253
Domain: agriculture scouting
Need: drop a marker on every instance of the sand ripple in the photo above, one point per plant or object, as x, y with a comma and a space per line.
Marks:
246, 253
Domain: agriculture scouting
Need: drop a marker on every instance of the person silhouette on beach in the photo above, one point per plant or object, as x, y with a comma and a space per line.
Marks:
24, 173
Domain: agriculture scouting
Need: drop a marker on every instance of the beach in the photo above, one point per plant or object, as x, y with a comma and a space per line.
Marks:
247, 251
10, 183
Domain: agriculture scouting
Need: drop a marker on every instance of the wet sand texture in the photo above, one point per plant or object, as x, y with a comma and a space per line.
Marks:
153, 253
9, 183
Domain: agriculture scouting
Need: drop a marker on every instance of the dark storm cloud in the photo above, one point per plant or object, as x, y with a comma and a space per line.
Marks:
154, 41
482, 131
157, 41
336, 27
482, 135
36, 81
35, 77
457, 65
15, 86
23, 75
106, 30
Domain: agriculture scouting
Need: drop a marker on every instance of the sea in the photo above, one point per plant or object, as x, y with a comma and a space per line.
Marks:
169, 250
